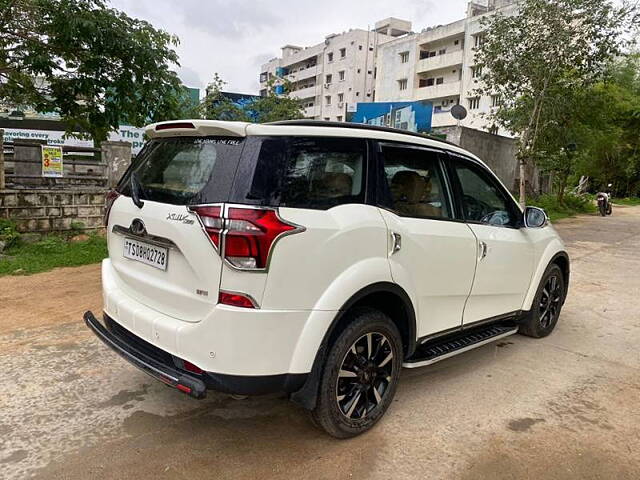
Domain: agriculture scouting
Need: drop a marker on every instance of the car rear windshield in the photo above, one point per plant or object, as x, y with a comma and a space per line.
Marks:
177, 170
302, 172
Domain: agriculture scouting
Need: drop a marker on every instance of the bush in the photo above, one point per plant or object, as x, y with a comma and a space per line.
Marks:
571, 205
8, 233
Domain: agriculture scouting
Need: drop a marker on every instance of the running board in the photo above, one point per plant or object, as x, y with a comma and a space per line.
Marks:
442, 348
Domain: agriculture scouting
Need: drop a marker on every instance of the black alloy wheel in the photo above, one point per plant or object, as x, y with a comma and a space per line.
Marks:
550, 301
365, 375
547, 304
360, 374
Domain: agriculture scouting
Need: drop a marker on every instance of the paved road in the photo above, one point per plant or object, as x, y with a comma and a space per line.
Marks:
566, 407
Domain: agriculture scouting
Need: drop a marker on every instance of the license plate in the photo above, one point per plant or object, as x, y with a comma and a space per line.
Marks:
146, 253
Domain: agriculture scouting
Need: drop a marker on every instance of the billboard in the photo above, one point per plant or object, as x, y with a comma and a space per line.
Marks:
411, 116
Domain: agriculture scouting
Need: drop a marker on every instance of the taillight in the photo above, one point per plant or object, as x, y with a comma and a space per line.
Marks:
246, 234
109, 198
235, 300
250, 233
211, 218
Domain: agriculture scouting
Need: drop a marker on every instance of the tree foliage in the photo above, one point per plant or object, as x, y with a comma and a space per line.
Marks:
93, 65
537, 61
269, 108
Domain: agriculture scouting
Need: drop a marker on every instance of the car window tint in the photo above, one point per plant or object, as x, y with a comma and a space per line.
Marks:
482, 200
308, 172
414, 179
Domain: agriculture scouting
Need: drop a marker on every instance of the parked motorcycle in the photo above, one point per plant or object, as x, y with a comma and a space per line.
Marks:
604, 202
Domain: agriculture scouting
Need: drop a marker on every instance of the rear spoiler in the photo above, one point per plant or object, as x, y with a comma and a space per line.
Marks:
201, 128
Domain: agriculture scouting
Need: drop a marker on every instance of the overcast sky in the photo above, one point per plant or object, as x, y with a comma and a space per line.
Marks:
235, 37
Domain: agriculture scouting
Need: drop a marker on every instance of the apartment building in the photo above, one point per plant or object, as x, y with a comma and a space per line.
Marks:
331, 74
437, 64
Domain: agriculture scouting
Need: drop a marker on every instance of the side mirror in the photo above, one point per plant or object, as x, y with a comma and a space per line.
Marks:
535, 217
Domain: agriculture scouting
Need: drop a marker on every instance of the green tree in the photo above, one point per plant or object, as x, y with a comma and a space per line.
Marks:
549, 48
93, 65
217, 106
269, 108
275, 107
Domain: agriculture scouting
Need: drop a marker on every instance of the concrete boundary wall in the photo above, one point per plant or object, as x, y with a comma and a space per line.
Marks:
46, 211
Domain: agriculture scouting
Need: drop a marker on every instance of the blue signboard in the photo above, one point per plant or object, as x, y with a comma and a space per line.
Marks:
411, 116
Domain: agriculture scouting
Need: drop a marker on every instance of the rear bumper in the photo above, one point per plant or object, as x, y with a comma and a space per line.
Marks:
161, 365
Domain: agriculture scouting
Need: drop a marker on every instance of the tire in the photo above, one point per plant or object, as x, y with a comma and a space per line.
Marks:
547, 304
609, 209
603, 210
354, 391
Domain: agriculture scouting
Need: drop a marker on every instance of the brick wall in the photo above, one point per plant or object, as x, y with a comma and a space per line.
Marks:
52, 210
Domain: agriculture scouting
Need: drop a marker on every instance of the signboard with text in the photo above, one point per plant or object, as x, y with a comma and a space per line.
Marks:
126, 133
52, 161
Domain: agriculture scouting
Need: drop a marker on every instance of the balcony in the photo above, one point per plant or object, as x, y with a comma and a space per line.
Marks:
306, 92
311, 112
450, 89
303, 74
450, 59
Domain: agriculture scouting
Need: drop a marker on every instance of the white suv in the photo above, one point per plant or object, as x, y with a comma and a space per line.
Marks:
317, 259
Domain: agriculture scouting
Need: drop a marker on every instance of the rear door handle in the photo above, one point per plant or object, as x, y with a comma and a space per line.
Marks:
482, 250
397, 242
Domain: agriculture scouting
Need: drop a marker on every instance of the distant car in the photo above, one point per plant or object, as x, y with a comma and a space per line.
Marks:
317, 259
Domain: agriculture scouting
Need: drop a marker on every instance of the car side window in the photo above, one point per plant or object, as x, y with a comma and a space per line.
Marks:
310, 172
482, 200
415, 182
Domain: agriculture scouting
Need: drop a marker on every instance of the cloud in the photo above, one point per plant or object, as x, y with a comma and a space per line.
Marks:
235, 37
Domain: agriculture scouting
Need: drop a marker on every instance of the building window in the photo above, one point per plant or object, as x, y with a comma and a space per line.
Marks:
404, 57
341, 75
328, 100
328, 79
359, 70
496, 100
457, 42
439, 81
442, 51
371, 49
479, 39
326, 119
343, 52
359, 47
403, 83
474, 103
340, 97
263, 92
424, 54
369, 72
263, 77
330, 57
339, 118
476, 72
357, 94
493, 130
426, 82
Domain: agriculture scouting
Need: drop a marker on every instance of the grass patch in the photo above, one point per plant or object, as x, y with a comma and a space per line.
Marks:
571, 206
632, 202
51, 252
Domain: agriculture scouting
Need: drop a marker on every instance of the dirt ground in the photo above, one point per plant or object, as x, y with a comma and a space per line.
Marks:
565, 407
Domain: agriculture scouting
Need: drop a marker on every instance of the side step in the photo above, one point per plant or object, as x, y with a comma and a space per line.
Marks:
460, 342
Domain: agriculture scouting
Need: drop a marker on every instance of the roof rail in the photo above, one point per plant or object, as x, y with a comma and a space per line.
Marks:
356, 126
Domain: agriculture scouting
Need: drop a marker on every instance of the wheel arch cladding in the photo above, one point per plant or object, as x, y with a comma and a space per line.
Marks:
562, 260
551, 257
387, 297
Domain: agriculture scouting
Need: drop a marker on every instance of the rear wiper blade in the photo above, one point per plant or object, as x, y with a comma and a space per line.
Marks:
136, 188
